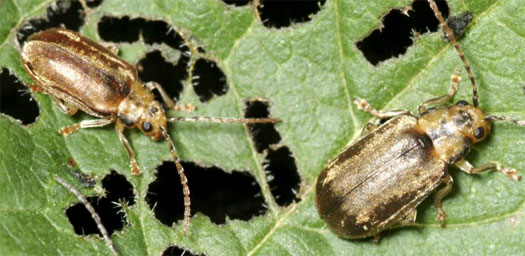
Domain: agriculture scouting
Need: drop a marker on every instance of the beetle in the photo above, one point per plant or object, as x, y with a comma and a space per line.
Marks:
377, 182
79, 73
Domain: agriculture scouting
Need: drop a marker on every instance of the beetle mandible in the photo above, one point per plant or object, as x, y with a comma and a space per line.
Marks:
378, 181
79, 73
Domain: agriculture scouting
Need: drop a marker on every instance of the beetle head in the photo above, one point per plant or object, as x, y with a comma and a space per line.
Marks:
470, 121
152, 120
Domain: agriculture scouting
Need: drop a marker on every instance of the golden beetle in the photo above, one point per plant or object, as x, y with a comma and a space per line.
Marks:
378, 181
80, 74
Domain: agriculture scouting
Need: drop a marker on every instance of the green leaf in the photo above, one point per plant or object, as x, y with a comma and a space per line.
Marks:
309, 72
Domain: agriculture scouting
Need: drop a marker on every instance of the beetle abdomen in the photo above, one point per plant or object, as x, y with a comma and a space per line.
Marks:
378, 180
79, 72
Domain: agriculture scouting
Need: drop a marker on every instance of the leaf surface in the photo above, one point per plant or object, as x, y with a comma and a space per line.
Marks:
309, 72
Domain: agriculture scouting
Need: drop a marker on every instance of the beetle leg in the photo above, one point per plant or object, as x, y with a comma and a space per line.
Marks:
441, 215
169, 102
119, 127
369, 127
35, 88
366, 107
465, 166
154, 85
376, 238
454, 83
84, 124
409, 218
65, 107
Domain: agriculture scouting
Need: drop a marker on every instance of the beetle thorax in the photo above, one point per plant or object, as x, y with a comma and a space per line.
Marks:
453, 129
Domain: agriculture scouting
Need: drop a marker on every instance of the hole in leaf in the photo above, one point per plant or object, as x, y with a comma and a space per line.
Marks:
282, 13
155, 68
283, 179
63, 12
93, 3
124, 29
15, 99
160, 32
118, 189
236, 2
176, 251
213, 192
120, 30
395, 36
208, 80
263, 135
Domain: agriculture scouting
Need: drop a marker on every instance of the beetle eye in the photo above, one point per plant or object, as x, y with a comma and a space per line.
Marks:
479, 132
147, 127
462, 103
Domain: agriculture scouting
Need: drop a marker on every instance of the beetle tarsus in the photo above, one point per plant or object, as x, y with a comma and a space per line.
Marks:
441, 216
465, 166
363, 105
66, 131
135, 168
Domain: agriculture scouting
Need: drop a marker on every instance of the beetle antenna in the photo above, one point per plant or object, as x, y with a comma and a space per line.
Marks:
224, 120
452, 38
505, 119
183, 180
91, 211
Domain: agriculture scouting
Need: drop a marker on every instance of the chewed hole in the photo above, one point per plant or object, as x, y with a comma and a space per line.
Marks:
62, 13
176, 251
15, 99
236, 2
155, 68
395, 36
281, 13
263, 135
282, 175
157, 31
124, 29
208, 80
119, 30
118, 190
214, 193
93, 3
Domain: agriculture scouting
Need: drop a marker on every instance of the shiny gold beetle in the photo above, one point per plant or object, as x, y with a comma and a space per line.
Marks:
81, 74
378, 181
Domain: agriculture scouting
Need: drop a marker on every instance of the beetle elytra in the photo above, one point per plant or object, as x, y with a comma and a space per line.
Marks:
378, 181
79, 73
